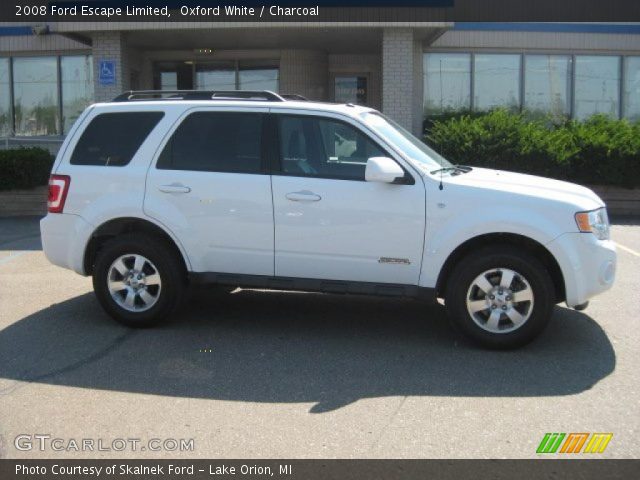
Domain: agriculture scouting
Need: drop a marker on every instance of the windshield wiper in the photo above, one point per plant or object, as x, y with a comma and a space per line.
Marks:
458, 169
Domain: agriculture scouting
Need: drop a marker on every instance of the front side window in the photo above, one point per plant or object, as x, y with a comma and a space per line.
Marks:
112, 139
324, 148
216, 142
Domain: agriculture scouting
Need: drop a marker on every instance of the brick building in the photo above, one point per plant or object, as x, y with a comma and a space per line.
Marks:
48, 74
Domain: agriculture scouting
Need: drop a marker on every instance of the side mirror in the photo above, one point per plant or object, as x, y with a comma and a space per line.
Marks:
383, 170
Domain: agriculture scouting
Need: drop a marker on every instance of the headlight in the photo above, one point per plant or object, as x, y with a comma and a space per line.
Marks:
596, 222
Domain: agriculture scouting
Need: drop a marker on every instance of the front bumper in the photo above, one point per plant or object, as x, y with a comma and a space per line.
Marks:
588, 265
64, 239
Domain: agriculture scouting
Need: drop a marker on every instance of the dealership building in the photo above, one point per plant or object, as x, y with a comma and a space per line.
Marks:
50, 72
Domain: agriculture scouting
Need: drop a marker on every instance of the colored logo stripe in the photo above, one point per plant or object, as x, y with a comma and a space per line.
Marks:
574, 442
550, 443
598, 442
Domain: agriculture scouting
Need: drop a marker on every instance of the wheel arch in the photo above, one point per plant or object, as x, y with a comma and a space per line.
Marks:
533, 246
121, 225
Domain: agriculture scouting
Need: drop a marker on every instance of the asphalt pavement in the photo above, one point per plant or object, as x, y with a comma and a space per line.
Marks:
263, 374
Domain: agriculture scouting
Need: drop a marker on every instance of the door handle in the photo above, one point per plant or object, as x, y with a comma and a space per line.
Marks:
304, 196
174, 188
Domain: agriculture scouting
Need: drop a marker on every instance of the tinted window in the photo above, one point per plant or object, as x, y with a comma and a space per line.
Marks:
112, 139
215, 142
324, 148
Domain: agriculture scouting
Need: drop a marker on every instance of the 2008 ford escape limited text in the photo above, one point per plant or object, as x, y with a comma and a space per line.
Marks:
154, 191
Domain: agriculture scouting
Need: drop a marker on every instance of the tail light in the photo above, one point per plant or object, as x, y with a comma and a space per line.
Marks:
58, 189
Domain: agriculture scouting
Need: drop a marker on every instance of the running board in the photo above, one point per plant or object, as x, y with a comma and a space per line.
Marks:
314, 285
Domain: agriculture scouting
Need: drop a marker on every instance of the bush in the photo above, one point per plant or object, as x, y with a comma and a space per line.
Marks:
24, 168
598, 151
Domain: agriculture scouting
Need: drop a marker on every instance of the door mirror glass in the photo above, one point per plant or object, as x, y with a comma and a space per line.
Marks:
383, 169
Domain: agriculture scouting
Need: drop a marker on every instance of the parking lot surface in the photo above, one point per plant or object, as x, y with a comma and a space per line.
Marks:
262, 374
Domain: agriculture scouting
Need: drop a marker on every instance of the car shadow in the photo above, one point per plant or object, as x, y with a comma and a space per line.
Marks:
266, 346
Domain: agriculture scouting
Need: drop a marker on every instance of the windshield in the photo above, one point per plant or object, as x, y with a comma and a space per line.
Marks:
405, 141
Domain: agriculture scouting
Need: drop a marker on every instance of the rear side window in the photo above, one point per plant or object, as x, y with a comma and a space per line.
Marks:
216, 142
112, 139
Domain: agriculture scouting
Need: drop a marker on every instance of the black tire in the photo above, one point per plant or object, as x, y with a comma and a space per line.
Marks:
500, 257
169, 267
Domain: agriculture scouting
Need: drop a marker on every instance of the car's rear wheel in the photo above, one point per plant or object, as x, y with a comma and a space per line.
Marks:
138, 279
500, 296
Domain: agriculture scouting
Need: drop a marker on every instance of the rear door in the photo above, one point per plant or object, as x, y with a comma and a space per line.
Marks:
211, 187
332, 224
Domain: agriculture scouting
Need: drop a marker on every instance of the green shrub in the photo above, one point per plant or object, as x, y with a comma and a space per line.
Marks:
24, 168
597, 151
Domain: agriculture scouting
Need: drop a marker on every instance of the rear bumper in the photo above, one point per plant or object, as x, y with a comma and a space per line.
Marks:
588, 265
64, 240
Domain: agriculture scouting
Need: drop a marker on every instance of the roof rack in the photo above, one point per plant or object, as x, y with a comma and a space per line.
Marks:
294, 96
260, 95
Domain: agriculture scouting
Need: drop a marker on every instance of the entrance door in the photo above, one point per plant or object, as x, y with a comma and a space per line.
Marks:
332, 224
351, 89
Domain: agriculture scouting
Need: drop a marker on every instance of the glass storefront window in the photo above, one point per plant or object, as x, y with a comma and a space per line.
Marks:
496, 81
35, 91
5, 98
447, 82
547, 84
77, 87
168, 80
258, 78
215, 76
632, 88
597, 86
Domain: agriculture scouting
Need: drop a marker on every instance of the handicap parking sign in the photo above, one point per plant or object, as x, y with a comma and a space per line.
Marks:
107, 72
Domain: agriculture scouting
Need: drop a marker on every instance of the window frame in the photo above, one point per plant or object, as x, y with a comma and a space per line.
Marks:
265, 142
276, 153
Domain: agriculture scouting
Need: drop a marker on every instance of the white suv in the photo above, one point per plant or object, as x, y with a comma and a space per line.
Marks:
154, 191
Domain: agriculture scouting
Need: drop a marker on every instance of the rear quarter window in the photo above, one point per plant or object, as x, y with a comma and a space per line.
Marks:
112, 139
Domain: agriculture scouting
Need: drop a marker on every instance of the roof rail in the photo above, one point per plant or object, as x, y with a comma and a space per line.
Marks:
294, 96
136, 95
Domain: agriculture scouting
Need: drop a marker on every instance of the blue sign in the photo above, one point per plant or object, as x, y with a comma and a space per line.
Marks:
107, 72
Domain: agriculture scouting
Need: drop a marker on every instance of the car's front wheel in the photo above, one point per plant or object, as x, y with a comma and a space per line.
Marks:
138, 279
500, 296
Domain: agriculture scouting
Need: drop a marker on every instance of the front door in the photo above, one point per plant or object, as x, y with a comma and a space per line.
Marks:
210, 186
351, 89
332, 224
